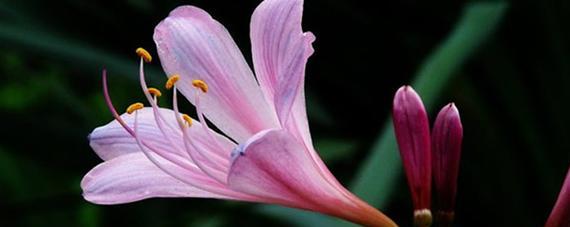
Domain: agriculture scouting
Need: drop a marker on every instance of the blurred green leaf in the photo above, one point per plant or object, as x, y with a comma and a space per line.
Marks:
46, 43
89, 215
332, 149
477, 25
21, 178
377, 176
18, 96
300, 217
317, 112
9, 175
207, 222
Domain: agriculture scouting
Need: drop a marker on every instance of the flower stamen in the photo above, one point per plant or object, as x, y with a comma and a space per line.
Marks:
171, 81
188, 119
162, 166
155, 94
216, 168
159, 119
201, 85
134, 107
154, 91
165, 156
216, 172
141, 52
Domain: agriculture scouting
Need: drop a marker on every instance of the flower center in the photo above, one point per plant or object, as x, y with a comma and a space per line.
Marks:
207, 157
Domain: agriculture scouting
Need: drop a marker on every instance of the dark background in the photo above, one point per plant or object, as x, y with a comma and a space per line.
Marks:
512, 92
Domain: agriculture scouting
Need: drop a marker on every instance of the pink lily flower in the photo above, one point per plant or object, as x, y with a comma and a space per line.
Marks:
560, 215
265, 153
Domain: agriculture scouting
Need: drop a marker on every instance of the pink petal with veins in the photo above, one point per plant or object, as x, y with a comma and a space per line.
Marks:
111, 140
132, 177
280, 51
193, 45
272, 165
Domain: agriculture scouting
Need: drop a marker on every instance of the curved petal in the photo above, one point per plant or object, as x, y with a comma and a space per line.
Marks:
280, 51
112, 140
193, 45
132, 177
273, 165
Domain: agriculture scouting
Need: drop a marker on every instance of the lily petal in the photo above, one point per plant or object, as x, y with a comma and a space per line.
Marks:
280, 51
272, 165
132, 177
112, 140
193, 45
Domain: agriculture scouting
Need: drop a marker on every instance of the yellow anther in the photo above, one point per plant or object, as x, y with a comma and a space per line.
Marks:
171, 81
141, 52
187, 118
154, 92
201, 85
134, 107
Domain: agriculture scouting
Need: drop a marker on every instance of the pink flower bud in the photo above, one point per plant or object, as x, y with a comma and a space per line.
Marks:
411, 126
446, 140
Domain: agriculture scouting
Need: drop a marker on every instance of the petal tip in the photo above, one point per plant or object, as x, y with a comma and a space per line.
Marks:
407, 99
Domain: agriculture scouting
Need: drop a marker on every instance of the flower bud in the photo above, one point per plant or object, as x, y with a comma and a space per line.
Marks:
447, 135
411, 126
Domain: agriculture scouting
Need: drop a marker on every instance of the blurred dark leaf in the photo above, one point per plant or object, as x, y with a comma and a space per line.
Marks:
52, 45
22, 178
89, 215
